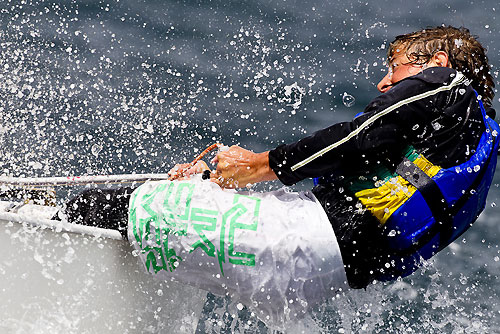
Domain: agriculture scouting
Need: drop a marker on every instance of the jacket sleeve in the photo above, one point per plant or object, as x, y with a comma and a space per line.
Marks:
389, 123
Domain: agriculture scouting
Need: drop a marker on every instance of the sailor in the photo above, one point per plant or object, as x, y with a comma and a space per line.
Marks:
395, 185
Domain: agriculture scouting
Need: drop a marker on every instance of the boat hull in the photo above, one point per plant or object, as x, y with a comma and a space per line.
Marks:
57, 281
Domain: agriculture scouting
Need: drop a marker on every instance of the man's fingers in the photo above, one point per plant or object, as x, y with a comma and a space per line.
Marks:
199, 167
181, 171
225, 183
176, 168
216, 178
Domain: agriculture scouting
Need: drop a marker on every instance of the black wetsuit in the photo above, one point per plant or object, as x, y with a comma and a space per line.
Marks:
444, 125
105, 208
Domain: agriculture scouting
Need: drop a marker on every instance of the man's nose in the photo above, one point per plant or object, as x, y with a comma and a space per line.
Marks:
385, 84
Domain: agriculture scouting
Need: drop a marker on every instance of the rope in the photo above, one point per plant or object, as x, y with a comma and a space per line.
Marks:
8, 182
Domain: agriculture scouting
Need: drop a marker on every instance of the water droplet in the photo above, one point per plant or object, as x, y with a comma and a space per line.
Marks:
392, 233
95, 149
348, 100
436, 126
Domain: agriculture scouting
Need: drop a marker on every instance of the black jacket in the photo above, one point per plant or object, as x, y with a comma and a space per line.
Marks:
434, 111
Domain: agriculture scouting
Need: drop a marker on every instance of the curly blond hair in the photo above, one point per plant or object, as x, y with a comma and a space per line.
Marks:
465, 54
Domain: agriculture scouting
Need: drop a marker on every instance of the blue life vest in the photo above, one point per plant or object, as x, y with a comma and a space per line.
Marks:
441, 207
417, 231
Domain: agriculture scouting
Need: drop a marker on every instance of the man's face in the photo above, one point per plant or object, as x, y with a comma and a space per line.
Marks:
400, 67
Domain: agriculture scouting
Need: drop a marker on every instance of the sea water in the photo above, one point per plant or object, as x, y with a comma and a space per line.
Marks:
131, 86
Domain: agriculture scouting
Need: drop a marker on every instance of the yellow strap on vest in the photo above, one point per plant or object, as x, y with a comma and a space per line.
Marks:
388, 195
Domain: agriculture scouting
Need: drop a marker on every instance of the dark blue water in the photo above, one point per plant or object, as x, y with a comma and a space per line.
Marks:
112, 87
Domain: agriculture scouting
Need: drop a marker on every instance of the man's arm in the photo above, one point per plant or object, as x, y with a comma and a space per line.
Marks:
238, 168
413, 112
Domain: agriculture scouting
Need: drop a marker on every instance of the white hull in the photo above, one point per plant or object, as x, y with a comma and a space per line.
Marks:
63, 282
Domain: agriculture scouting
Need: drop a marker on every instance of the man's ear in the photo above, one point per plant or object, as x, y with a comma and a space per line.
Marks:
440, 58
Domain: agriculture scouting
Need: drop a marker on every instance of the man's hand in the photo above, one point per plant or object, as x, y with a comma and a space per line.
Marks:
238, 168
184, 171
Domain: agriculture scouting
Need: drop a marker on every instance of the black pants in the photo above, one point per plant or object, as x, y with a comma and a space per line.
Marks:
105, 208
